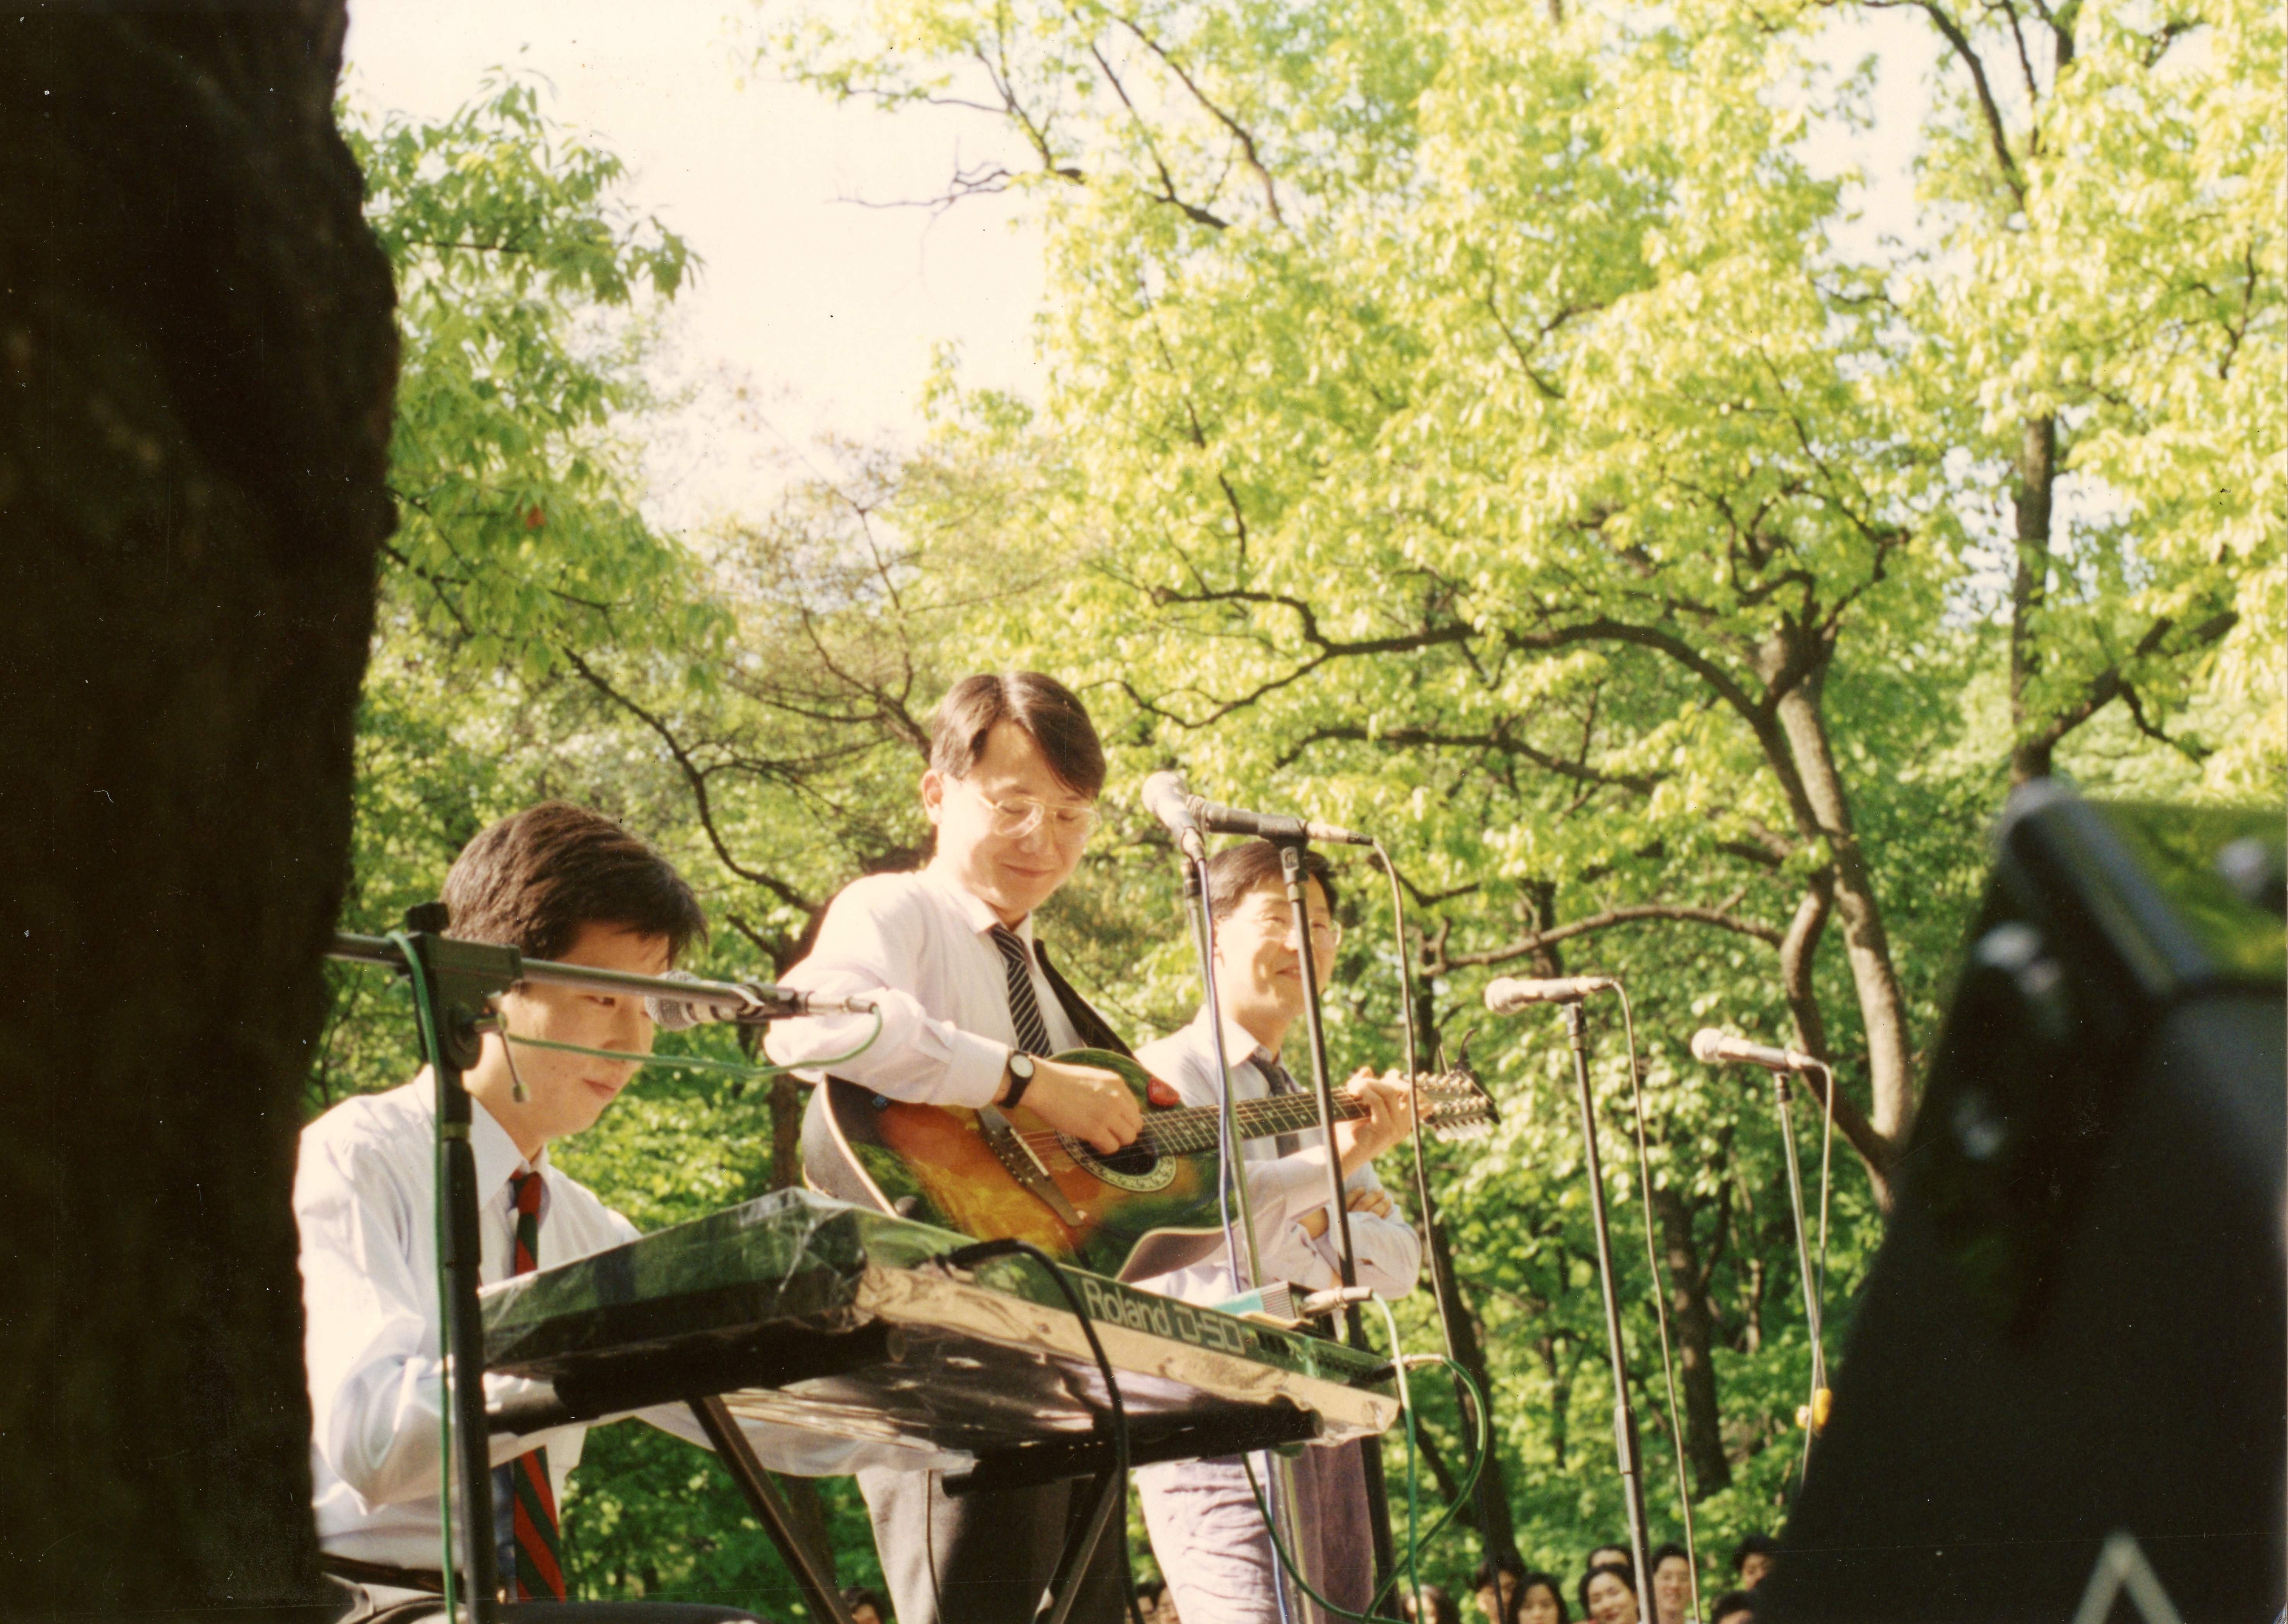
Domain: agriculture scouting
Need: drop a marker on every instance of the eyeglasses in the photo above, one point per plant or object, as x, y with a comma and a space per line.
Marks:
1014, 817
1326, 934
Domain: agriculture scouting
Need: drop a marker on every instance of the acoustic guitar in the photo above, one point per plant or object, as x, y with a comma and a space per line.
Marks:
993, 1175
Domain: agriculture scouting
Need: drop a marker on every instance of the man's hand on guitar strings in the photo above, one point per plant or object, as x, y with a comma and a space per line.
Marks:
1089, 1104
1388, 1101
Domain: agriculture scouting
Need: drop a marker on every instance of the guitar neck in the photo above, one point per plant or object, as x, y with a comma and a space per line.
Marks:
1182, 1133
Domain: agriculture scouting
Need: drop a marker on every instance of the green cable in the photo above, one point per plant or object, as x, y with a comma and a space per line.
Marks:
1415, 1540
1413, 1494
696, 1062
426, 1017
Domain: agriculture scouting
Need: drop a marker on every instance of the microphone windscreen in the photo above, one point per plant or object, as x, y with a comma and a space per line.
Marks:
1504, 995
1707, 1044
672, 1015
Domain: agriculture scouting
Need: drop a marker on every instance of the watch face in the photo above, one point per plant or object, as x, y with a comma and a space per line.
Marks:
1021, 1064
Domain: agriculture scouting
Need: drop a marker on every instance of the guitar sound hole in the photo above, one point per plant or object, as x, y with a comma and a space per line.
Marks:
1130, 1161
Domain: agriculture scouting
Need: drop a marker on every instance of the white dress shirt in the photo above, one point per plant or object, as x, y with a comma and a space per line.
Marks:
922, 948
1284, 1190
364, 1201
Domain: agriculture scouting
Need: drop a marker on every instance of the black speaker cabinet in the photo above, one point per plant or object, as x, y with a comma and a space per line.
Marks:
2076, 1326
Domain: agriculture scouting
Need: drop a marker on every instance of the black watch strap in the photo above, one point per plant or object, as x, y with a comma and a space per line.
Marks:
1021, 1077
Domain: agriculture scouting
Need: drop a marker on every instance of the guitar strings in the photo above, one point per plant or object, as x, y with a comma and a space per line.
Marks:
1185, 1132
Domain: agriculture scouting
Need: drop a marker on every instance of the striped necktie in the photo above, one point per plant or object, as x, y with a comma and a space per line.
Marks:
524, 1499
1277, 1076
1024, 1007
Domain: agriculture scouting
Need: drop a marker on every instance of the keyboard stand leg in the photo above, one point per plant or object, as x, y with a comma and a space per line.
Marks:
816, 1578
1080, 1549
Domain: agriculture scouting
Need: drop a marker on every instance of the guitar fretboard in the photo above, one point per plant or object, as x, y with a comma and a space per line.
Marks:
1184, 1133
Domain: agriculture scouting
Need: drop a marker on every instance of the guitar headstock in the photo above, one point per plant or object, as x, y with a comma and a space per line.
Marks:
1463, 1109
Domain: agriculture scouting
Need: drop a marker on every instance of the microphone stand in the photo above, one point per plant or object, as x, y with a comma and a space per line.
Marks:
1290, 872
453, 982
1811, 1306
1203, 920
1625, 1420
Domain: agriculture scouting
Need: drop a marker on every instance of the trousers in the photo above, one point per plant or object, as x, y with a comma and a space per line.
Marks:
986, 1559
1213, 1549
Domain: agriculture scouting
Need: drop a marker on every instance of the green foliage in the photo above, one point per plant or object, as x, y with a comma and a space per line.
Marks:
521, 284
1468, 423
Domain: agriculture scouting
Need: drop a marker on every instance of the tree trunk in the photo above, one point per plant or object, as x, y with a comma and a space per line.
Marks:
1867, 948
1696, 1373
2037, 460
196, 360
1560, 1372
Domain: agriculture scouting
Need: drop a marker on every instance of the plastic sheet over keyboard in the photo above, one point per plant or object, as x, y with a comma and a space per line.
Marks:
809, 1314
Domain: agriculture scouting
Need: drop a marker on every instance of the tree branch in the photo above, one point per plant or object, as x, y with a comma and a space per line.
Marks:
1246, 140
1632, 913
697, 778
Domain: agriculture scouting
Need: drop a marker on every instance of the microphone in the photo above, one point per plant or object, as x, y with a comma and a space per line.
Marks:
747, 1003
1165, 798
1717, 1048
1508, 994
1272, 826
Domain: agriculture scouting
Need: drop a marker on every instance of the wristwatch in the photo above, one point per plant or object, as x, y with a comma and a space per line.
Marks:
1019, 1072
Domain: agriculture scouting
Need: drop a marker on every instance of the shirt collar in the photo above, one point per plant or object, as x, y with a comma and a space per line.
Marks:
974, 909
1240, 1045
495, 1154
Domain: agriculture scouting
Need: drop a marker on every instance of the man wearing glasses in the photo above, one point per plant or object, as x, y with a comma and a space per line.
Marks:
971, 1007
1206, 1530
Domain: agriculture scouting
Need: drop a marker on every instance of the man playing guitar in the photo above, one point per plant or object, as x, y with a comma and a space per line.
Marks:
1206, 1529
971, 1007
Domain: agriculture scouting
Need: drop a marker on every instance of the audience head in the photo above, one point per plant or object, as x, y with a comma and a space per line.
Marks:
1672, 1584
1540, 1600
1437, 1607
865, 1606
1495, 1584
1609, 1594
1732, 1607
1619, 1555
1753, 1559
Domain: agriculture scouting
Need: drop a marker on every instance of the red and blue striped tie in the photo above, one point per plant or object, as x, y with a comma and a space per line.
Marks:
532, 1553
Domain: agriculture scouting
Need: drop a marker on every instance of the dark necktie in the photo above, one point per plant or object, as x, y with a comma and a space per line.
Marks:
1276, 1074
1024, 1007
524, 1499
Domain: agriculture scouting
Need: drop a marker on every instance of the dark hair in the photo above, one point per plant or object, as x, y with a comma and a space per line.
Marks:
1730, 1603
1753, 1545
1618, 1570
1662, 1553
532, 880
1437, 1607
1237, 869
854, 1596
1151, 1589
1483, 1574
1051, 716
1549, 1582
